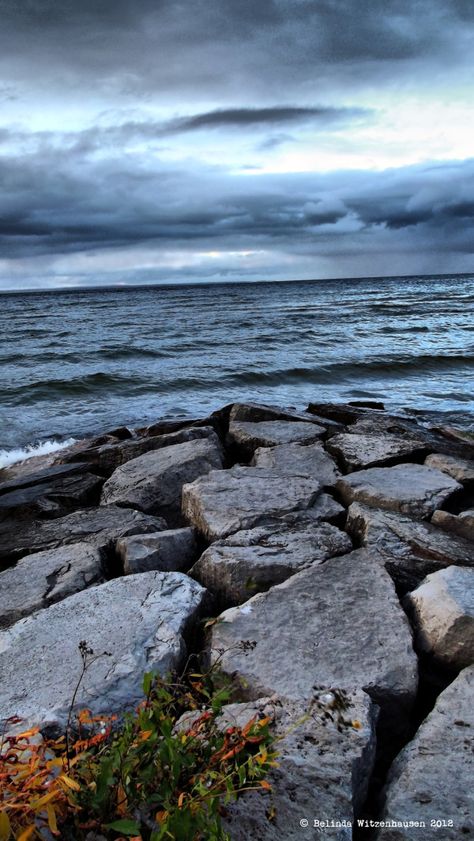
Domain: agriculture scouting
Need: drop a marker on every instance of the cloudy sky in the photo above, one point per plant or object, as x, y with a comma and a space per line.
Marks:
175, 140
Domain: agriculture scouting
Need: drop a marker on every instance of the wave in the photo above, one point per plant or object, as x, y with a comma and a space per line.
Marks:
44, 448
84, 386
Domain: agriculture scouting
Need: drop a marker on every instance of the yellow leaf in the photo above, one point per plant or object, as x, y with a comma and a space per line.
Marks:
5, 828
52, 823
63, 778
43, 801
27, 833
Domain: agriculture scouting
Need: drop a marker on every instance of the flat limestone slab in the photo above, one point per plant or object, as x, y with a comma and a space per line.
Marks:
226, 501
43, 578
431, 779
248, 435
140, 620
307, 460
357, 451
339, 624
460, 469
442, 609
99, 527
323, 771
413, 548
251, 561
153, 482
412, 489
173, 550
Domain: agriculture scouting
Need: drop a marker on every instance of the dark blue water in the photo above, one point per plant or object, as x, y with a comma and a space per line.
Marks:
78, 362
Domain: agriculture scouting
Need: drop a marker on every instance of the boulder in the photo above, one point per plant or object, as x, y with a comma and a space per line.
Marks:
442, 610
410, 549
170, 551
226, 501
247, 436
251, 561
153, 482
462, 524
307, 460
100, 527
44, 476
358, 450
51, 499
256, 413
407, 488
140, 621
47, 577
324, 765
431, 779
460, 469
339, 624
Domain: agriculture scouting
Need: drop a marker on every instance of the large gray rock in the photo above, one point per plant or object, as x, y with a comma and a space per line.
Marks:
357, 451
442, 609
431, 779
247, 436
307, 460
410, 549
226, 501
462, 524
323, 770
339, 624
51, 499
139, 620
460, 469
100, 527
47, 577
153, 482
170, 551
407, 488
251, 561
257, 413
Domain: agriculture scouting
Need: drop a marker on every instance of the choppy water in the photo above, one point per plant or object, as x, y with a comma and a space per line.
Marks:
78, 362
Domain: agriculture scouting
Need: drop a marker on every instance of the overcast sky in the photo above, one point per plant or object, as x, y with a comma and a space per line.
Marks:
175, 140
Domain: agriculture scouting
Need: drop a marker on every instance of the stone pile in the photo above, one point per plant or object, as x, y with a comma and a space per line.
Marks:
333, 546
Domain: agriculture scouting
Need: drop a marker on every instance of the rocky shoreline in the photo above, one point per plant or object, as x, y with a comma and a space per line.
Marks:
335, 548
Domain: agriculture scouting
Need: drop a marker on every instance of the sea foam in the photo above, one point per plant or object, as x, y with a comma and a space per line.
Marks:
43, 448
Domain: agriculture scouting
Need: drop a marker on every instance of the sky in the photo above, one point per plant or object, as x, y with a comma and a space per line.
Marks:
149, 141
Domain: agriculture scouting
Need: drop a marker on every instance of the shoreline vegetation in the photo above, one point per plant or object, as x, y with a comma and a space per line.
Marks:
318, 563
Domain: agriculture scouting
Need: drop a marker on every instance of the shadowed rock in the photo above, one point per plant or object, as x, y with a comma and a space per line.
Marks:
356, 451
171, 550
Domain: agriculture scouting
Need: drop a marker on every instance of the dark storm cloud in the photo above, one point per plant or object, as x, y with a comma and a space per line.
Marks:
249, 117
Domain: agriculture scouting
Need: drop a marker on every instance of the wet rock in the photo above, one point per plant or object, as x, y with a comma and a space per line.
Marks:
460, 469
227, 501
307, 460
339, 624
139, 620
461, 525
251, 561
51, 499
342, 413
170, 550
407, 488
47, 577
357, 451
247, 436
323, 770
442, 609
410, 549
153, 482
99, 527
257, 413
45, 476
431, 779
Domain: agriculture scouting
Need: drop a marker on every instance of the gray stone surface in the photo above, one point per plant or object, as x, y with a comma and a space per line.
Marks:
431, 779
308, 460
339, 624
100, 527
410, 549
442, 609
323, 771
226, 501
461, 524
257, 412
153, 482
407, 488
247, 435
172, 550
460, 469
140, 620
46, 577
251, 561
51, 499
357, 451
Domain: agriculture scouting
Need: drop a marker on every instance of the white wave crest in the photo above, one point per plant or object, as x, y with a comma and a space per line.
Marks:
44, 448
